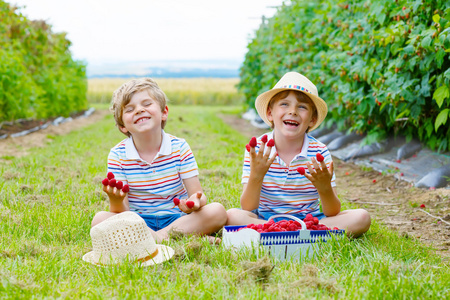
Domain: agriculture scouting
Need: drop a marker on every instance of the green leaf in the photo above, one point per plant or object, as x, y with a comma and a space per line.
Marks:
447, 73
426, 42
441, 119
429, 128
440, 94
436, 19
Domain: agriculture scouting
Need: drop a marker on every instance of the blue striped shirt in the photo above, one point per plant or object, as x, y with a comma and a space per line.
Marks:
153, 185
284, 190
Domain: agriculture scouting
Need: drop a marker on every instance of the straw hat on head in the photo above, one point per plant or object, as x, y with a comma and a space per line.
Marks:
296, 82
125, 237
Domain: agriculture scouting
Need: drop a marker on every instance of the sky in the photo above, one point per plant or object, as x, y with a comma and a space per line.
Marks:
111, 31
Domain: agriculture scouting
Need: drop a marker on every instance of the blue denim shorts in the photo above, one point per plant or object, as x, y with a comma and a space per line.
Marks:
265, 215
158, 222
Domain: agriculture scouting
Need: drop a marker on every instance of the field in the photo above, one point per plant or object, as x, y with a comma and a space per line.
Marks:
202, 91
50, 194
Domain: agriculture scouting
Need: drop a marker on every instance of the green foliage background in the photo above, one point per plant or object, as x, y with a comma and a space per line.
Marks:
38, 77
382, 66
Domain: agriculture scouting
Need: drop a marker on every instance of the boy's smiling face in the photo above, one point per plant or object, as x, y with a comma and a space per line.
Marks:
142, 114
291, 117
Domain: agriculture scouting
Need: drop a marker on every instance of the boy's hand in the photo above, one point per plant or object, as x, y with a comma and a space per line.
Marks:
115, 190
191, 204
260, 162
320, 176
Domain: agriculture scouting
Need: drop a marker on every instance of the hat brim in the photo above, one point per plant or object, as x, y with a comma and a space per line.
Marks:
164, 253
262, 102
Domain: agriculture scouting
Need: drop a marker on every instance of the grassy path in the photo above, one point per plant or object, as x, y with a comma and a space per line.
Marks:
48, 198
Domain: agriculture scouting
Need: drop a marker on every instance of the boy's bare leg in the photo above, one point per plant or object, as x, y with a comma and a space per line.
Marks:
209, 219
101, 216
242, 217
354, 221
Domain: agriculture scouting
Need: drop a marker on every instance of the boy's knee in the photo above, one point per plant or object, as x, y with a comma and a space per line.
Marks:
100, 217
217, 212
232, 214
364, 218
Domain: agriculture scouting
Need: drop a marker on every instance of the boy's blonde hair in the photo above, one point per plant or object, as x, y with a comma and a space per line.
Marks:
301, 97
122, 96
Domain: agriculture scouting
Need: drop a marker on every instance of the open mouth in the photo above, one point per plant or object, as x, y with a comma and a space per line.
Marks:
140, 120
291, 123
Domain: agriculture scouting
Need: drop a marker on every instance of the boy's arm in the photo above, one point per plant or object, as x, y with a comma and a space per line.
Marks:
259, 165
320, 177
195, 192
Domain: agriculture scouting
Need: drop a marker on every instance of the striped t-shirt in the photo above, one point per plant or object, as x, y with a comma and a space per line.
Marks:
153, 185
284, 190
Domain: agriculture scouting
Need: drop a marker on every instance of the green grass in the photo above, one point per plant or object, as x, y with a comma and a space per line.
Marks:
47, 200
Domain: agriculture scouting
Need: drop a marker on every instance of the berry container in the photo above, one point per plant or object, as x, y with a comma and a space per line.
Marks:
284, 245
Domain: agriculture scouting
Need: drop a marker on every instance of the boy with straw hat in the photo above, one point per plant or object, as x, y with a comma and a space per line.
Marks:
153, 173
287, 171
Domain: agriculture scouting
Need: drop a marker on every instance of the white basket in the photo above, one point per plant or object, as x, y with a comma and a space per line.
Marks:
282, 245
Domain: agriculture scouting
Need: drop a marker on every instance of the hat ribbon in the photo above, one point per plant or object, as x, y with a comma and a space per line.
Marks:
148, 257
144, 259
297, 87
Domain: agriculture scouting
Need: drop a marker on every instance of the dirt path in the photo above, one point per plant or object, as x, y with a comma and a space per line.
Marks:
390, 201
20, 146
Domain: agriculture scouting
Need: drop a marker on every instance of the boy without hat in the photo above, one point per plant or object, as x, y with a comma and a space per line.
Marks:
272, 183
157, 167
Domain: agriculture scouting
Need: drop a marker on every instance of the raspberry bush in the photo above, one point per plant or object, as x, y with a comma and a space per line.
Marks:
383, 66
38, 77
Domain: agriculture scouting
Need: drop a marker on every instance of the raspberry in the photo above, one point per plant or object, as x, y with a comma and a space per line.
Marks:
271, 143
264, 138
319, 157
190, 204
374, 181
110, 175
112, 183
126, 188
247, 147
422, 205
176, 201
252, 142
308, 217
301, 170
105, 181
119, 185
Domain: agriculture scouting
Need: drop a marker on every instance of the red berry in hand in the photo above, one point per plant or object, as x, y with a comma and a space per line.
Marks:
319, 157
110, 175
105, 181
247, 147
301, 170
190, 204
119, 185
126, 188
271, 143
252, 142
264, 138
176, 201
112, 183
